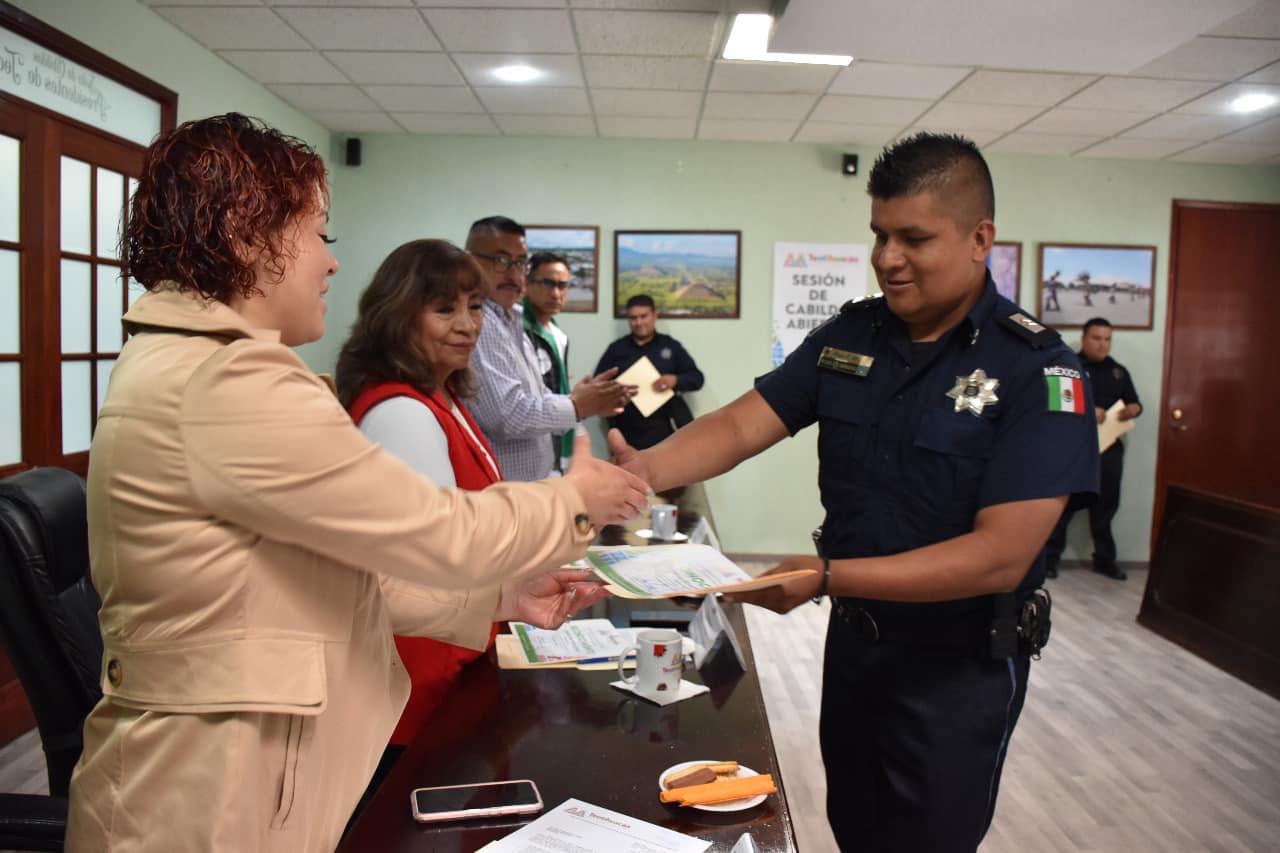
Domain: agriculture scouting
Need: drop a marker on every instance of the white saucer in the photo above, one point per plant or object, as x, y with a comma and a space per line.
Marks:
646, 533
731, 805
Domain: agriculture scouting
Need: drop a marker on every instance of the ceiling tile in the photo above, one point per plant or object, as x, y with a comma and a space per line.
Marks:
746, 131
203, 2
1227, 152
425, 99
362, 29
980, 138
1189, 127
1218, 102
558, 69
1024, 88
328, 2
1137, 94
1043, 143
356, 122
756, 106
890, 80
333, 98
647, 128
462, 125
1062, 120
409, 68
493, 30
1262, 21
646, 33
770, 77
284, 66
507, 4
656, 5
855, 109
532, 100
1212, 58
966, 117
546, 125
643, 103
1124, 148
1263, 133
234, 28
838, 133
1270, 74
645, 72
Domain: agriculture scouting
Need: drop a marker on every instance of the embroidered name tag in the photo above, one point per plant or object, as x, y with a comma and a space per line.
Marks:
843, 361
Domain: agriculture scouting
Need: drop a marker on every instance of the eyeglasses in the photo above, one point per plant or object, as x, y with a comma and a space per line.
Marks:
503, 263
550, 282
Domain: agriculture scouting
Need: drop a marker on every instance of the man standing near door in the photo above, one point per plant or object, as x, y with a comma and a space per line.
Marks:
1111, 382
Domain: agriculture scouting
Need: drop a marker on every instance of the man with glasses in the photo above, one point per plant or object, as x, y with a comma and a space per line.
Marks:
513, 407
548, 286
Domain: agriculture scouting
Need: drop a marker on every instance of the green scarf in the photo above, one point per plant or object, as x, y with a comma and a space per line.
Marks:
531, 323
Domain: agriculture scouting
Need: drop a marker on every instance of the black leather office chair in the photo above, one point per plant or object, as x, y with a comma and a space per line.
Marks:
49, 622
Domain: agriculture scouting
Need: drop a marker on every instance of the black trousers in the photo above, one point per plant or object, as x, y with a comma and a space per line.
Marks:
1101, 514
914, 741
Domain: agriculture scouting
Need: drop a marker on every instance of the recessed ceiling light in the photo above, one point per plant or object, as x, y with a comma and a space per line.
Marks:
517, 73
1252, 103
749, 40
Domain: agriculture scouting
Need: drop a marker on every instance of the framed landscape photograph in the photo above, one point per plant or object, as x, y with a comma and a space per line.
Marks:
1005, 263
690, 274
580, 244
1078, 281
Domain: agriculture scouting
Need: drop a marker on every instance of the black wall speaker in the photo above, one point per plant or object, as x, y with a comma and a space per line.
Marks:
848, 165
353, 151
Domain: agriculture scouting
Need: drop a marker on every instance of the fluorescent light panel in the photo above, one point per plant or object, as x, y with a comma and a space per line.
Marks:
749, 40
517, 73
1252, 103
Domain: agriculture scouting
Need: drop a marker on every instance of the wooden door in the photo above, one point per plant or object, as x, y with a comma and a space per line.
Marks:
1214, 584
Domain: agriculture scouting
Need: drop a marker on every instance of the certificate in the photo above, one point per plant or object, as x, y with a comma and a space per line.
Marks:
664, 571
578, 826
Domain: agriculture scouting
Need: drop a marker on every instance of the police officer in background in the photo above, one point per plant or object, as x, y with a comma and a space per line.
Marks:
1110, 382
952, 430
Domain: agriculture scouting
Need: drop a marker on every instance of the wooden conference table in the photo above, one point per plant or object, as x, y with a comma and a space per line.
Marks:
576, 736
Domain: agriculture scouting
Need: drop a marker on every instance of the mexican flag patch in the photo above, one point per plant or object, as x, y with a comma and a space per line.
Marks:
1066, 393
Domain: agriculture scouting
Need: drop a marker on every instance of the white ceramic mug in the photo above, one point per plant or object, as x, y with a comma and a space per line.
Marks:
659, 662
662, 521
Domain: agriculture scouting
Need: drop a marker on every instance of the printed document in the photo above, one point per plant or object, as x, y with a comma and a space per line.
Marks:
663, 571
577, 639
584, 828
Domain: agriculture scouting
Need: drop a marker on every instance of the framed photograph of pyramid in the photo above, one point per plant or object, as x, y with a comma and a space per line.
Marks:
688, 274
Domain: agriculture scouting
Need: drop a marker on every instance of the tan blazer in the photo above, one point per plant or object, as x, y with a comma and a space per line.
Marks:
254, 554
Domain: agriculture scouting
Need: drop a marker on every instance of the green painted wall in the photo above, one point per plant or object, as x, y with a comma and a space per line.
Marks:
206, 85
411, 187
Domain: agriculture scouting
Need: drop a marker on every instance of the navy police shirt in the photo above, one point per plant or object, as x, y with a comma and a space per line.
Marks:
915, 439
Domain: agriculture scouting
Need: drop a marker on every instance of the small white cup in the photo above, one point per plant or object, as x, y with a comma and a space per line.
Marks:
659, 662
662, 521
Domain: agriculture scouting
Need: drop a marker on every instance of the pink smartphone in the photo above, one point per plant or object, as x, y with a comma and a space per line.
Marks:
486, 799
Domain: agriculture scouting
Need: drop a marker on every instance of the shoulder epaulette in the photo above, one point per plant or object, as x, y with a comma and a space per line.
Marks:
863, 303
1029, 329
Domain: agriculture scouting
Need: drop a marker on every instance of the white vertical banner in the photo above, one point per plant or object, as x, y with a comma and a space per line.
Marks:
810, 283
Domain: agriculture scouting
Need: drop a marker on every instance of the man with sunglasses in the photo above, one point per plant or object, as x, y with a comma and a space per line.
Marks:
544, 298
517, 412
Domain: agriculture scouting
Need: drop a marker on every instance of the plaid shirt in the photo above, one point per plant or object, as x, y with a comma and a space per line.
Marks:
516, 411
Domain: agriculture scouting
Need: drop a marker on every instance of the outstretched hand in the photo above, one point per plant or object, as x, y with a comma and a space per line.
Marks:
548, 600
786, 595
612, 495
627, 457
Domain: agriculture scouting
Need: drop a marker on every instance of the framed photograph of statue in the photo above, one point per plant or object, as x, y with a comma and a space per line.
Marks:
1005, 263
580, 245
1078, 281
691, 274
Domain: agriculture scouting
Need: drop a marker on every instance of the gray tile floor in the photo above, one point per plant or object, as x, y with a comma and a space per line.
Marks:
1128, 744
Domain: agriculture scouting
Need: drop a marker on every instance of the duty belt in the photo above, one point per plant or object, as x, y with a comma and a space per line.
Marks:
873, 624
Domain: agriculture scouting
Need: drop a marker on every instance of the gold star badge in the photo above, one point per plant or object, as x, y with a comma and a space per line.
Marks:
974, 391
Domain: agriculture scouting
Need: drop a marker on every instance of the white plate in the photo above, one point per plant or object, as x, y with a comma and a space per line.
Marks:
646, 533
731, 805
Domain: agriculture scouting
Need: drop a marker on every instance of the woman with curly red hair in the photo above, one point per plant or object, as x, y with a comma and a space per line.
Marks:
253, 551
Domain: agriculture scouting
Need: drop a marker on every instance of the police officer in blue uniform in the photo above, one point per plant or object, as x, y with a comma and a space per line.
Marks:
953, 428
1109, 383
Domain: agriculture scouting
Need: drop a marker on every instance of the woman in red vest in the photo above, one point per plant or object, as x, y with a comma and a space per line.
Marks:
403, 375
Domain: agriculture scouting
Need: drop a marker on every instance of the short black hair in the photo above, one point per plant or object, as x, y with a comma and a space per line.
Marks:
540, 258
1095, 321
491, 225
641, 300
946, 164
